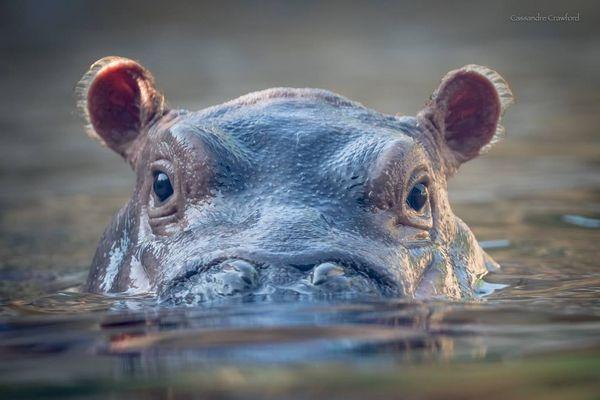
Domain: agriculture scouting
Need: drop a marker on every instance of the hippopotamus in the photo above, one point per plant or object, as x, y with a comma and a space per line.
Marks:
289, 192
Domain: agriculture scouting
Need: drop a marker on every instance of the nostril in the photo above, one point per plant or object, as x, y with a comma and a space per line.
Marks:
243, 269
326, 271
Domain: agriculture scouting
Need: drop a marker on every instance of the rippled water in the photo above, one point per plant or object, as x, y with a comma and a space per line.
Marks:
534, 203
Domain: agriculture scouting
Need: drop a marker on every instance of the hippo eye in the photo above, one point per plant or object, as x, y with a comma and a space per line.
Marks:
162, 186
417, 198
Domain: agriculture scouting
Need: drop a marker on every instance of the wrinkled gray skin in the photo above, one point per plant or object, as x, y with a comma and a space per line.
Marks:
289, 191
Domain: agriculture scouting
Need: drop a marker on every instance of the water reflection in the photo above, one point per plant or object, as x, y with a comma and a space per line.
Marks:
299, 332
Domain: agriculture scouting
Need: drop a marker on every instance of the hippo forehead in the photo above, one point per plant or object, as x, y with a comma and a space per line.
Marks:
300, 133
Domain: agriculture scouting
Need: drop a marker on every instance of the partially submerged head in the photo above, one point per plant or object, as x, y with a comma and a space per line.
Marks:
289, 191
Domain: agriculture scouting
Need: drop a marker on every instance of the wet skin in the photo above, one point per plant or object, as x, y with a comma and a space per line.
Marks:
289, 191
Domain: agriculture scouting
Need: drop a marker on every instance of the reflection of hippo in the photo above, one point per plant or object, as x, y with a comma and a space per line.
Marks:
289, 191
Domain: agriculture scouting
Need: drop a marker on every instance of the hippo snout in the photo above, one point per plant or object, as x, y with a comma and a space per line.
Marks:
243, 279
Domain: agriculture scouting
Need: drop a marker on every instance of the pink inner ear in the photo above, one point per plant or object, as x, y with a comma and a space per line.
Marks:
472, 113
114, 104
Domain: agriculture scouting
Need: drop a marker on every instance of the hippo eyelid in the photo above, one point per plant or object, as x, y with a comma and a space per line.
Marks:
158, 221
163, 211
419, 175
422, 218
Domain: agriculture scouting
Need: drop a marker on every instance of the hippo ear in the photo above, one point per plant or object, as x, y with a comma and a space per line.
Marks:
119, 100
465, 112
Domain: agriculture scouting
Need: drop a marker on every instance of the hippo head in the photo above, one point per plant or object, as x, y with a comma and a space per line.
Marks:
289, 191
